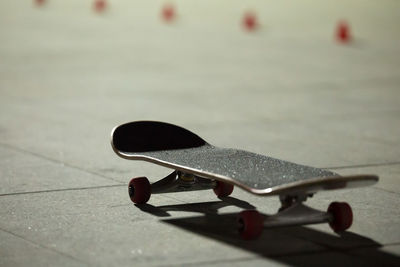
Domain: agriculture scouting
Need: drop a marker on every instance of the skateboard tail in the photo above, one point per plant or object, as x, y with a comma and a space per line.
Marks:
148, 136
314, 185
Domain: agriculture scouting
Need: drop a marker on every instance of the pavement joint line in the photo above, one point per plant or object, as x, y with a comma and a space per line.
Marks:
373, 246
62, 190
392, 244
201, 263
57, 161
363, 165
256, 257
313, 252
326, 250
174, 198
385, 190
345, 250
42, 246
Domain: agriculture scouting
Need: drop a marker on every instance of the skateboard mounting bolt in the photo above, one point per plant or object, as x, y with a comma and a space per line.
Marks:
186, 177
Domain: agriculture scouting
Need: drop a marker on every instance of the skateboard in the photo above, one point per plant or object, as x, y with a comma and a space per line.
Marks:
198, 165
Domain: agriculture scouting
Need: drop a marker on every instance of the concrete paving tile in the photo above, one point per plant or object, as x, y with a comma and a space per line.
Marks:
23, 172
375, 214
16, 251
89, 147
72, 222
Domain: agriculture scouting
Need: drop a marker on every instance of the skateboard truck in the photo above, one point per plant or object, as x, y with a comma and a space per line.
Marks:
294, 212
140, 189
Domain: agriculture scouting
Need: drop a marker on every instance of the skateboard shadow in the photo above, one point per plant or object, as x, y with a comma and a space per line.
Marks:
203, 207
297, 246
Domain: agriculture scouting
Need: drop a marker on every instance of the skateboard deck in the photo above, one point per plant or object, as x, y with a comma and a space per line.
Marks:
179, 149
199, 165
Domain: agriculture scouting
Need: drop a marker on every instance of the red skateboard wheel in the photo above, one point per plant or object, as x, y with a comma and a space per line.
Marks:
342, 216
139, 190
250, 224
223, 189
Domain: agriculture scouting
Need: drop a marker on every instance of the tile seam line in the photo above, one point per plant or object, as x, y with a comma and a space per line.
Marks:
385, 190
57, 161
256, 257
324, 249
244, 259
43, 247
61, 190
372, 246
346, 251
201, 263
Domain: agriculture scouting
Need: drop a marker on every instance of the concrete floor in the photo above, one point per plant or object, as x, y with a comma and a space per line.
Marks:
287, 90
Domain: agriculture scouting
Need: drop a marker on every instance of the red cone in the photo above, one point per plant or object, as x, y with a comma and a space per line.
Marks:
343, 32
168, 13
249, 21
99, 5
40, 2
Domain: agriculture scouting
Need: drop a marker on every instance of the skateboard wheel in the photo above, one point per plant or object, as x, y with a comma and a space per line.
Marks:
251, 224
223, 189
342, 216
139, 190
